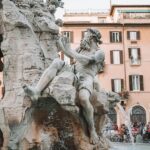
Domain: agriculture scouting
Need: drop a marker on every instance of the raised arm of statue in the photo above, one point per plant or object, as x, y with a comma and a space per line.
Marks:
65, 47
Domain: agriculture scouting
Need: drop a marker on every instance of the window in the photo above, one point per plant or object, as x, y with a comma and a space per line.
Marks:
135, 56
115, 37
66, 59
136, 83
133, 35
116, 57
83, 33
138, 114
69, 35
101, 19
117, 85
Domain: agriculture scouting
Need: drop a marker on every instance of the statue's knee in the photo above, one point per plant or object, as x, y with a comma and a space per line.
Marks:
57, 64
84, 103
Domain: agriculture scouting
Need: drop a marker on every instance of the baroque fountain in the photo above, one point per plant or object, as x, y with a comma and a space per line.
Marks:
49, 105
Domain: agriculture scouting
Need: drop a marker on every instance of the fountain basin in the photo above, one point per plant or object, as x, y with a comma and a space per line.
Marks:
128, 146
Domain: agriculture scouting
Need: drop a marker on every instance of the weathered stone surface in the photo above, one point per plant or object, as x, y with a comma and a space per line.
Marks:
62, 89
30, 37
12, 16
4, 127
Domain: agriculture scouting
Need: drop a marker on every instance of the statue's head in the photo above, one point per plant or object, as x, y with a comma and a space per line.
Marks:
59, 22
52, 9
90, 34
57, 3
95, 35
37, 4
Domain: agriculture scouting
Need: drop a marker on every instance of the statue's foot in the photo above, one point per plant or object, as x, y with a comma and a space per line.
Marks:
31, 92
94, 138
12, 146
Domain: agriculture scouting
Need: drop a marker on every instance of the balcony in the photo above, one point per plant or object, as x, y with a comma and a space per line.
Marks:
133, 17
136, 15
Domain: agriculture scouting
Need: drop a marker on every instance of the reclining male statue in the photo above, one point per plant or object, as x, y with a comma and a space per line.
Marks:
89, 62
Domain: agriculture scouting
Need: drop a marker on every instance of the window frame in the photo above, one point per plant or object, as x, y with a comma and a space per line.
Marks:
138, 56
113, 40
120, 57
83, 34
121, 84
71, 40
138, 34
141, 83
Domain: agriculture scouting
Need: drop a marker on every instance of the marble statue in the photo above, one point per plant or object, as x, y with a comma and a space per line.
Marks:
89, 62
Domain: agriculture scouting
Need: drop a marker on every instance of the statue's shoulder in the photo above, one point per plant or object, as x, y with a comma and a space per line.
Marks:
99, 55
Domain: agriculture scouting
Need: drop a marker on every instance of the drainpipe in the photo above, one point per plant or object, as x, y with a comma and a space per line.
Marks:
124, 55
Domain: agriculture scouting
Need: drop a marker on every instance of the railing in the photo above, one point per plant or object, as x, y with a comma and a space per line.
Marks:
68, 11
136, 15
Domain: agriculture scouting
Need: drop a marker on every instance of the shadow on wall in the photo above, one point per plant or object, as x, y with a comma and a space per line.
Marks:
1, 54
1, 139
2, 91
1, 6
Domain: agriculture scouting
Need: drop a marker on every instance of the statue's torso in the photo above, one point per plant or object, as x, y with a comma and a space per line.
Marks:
90, 69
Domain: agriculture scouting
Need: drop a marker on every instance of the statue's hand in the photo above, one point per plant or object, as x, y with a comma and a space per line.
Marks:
63, 44
92, 59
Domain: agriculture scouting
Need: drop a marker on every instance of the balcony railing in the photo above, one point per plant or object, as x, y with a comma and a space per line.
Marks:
136, 15
67, 11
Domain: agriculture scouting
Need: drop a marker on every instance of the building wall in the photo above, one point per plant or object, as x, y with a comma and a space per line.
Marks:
122, 71
141, 98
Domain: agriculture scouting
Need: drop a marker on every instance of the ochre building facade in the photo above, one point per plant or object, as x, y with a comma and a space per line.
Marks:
125, 33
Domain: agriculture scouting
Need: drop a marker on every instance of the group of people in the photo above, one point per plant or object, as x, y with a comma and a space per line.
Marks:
146, 132
140, 132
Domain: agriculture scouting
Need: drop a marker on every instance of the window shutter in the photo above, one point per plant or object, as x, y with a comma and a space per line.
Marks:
139, 53
121, 57
138, 35
130, 82
3, 91
112, 85
110, 34
141, 83
1, 66
1, 54
120, 37
111, 57
1, 38
128, 35
122, 85
129, 50
71, 37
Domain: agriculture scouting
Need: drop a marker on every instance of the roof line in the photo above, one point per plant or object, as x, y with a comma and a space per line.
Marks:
105, 24
114, 6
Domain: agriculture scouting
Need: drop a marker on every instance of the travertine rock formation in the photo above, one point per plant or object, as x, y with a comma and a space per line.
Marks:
29, 45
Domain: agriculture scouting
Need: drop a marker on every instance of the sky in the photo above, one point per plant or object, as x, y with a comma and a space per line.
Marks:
95, 4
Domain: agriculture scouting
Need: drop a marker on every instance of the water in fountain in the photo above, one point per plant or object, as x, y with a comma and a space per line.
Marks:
126, 117
128, 146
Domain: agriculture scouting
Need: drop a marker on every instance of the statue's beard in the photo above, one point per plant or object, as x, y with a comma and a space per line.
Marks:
85, 43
